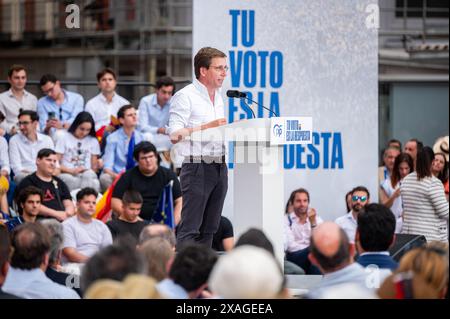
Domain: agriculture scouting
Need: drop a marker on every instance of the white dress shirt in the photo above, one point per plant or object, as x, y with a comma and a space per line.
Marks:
101, 110
349, 224
4, 158
191, 107
23, 152
10, 107
297, 235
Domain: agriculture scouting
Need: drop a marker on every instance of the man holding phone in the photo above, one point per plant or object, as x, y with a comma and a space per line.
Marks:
58, 108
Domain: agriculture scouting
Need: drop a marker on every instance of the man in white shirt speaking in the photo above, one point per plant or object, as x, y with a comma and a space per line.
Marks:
204, 174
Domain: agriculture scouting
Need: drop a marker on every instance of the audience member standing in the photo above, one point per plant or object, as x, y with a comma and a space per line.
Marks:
412, 147
390, 189
389, 155
440, 170
425, 205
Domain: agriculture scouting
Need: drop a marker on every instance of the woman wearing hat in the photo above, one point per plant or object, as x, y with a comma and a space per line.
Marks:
440, 162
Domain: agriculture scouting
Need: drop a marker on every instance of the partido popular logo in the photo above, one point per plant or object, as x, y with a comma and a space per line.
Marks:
277, 130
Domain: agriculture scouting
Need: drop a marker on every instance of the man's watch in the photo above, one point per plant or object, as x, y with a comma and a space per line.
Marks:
313, 225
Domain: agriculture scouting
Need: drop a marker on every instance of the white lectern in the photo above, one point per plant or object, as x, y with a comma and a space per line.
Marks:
258, 172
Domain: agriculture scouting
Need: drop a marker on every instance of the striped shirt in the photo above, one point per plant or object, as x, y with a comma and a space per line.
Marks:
425, 207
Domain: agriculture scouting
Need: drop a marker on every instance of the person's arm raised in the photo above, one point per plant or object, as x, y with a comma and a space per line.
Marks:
181, 134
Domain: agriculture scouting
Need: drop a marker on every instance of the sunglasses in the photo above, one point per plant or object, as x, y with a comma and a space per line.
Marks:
362, 198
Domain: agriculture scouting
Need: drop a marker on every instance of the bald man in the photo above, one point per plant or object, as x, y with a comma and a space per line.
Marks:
157, 230
332, 253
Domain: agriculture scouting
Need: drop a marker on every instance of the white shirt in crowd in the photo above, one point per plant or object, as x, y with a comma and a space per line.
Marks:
297, 235
87, 239
191, 107
349, 224
23, 152
4, 157
397, 205
10, 107
77, 152
101, 110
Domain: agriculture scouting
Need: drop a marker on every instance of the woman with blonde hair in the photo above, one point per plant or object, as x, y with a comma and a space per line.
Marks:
422, 274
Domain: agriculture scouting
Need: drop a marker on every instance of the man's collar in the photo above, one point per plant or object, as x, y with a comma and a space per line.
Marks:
11, 94
104, 99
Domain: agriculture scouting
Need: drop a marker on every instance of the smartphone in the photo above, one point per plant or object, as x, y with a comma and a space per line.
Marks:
51, 115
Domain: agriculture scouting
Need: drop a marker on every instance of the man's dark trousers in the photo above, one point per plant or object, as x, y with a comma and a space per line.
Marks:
204, 186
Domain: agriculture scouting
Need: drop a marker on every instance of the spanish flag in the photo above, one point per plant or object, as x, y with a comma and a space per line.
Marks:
103, 207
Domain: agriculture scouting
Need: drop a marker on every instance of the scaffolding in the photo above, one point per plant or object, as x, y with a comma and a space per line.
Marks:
140, 39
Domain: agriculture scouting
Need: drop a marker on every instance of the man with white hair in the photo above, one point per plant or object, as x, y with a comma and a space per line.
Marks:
235, 275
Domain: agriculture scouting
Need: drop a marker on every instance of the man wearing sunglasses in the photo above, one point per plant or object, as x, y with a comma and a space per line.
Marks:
360, 198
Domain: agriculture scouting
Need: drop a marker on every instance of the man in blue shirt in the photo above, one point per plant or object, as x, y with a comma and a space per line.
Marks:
120, 146
58, 108
26, 277
154, 114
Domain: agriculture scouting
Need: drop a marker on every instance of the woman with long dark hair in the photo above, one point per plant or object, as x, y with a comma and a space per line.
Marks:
425, 205
440, 170
78, 154
390, 189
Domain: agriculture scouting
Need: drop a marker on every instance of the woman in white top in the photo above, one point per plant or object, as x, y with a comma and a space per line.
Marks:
425, 206
390, 189
78, 154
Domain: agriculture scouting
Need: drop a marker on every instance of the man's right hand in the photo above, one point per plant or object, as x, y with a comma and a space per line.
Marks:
61, 216
312, 214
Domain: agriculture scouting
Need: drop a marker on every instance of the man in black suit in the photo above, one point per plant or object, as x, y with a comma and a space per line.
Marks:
374, 235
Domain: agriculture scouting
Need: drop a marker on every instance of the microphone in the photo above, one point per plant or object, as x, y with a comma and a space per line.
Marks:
235, 93
238, 94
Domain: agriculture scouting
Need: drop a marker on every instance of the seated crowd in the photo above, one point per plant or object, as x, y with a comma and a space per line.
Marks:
58, 155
